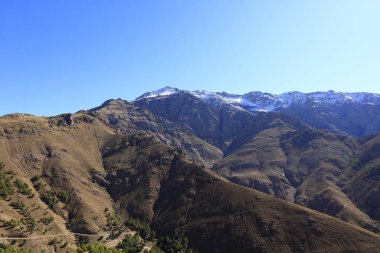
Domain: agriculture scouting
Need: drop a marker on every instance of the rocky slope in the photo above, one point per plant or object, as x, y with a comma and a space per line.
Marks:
76, 166
126, 117
306, 166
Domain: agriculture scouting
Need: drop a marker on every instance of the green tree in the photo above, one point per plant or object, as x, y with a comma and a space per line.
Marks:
131, 244
6, 187
169, 245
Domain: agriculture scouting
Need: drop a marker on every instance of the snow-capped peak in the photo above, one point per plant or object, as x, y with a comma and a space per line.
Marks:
259, 101
166, 91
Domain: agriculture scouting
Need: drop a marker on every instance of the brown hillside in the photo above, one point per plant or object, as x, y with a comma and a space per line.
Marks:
306, 166
136, 175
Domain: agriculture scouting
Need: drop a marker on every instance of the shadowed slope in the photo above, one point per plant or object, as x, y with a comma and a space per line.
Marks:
218, 216
305, 166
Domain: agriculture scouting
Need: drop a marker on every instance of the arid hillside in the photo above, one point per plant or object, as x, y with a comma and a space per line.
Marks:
62, 173
327, 172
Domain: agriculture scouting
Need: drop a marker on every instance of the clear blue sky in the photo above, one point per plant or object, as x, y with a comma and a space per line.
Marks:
67, 55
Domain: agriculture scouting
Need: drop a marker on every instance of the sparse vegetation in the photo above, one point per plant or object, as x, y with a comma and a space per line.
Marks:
49, 198
22, 188
29, 223
11, 223
53, 197
18, 204
6, 187
53, 241
112, 219
63, 196
9, 249
113, 224
47, 220
35, 178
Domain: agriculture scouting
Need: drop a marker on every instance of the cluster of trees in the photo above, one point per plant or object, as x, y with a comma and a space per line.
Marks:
27, 223
142, 229
131, 244
23, 188
6, 186
169, 245
53, 197
113, 224
164, 244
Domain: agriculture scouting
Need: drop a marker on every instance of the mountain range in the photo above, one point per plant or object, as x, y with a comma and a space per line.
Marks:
356, 114
233, 173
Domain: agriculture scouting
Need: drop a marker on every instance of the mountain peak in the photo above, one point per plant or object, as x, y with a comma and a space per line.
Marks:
166, 91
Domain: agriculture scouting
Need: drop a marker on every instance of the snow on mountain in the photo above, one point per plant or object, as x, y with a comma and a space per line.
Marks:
259, 101
166, 91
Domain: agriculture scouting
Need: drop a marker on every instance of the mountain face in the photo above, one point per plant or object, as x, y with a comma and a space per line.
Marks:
127, 117
309, 167
278, 154
231, 173
355, 114
136, 175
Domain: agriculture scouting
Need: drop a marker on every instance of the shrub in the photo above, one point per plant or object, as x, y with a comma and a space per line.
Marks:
22, 188
49, 198
53, 241
35, 178
29, 223
63, 196
47, 220
53, 197
11, 223
17, 204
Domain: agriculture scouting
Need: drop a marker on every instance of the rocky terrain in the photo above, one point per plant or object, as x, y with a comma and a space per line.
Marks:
276, 153
191, 164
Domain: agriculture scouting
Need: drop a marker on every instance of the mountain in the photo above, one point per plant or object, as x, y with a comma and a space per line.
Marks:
126, 117
260, 101
276, 153
355, 114
231, 173
74, 170
309, 167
